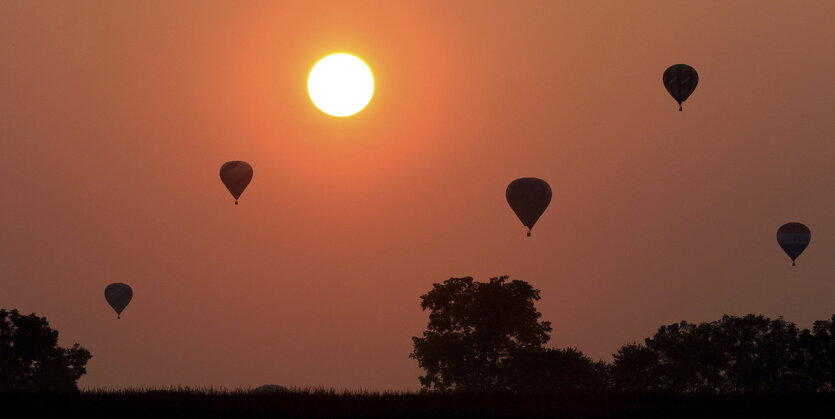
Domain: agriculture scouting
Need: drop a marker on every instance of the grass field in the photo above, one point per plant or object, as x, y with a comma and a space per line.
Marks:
323, 403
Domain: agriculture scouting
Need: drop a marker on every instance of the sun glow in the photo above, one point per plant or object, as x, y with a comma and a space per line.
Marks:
340, 84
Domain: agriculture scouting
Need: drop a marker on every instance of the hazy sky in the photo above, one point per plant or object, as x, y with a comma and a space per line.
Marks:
115, 117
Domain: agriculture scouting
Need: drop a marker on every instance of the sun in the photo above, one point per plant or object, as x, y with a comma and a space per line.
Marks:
340, 84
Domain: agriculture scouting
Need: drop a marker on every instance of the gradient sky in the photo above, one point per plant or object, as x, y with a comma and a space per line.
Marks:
116, 116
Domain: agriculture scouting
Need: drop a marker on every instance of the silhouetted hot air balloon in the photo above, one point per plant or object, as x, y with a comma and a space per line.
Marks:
528, 197
236, 176
793, 238
118, 295
680, 80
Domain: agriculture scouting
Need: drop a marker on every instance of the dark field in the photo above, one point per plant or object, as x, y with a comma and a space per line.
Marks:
209, 404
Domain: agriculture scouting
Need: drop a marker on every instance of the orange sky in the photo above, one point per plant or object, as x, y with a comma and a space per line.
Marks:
116, 116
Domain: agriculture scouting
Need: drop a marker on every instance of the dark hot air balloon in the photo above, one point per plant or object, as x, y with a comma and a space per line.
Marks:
118, 295
528, 197
793, 238
236, 175
680, 80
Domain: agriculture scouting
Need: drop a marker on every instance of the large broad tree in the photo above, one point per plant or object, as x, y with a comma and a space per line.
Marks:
30, 358
474, 329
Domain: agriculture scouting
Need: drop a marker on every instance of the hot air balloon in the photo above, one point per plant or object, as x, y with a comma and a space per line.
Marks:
793, 238
680, 80
118, 295
236, 175
528, 197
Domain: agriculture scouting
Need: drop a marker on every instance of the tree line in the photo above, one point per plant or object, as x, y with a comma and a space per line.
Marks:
488, 336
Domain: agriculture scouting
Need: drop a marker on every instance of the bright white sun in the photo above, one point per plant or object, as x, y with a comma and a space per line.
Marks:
340, 84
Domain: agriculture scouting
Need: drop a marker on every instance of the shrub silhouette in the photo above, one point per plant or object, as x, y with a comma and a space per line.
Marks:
555, 370
30, 359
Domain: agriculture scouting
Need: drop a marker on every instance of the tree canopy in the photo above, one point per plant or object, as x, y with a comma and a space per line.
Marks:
30, 358
474, 328
750, 354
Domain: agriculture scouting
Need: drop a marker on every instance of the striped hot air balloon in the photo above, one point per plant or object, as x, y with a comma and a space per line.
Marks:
793, 238
528, 197
236, 175
118, 295
680, 80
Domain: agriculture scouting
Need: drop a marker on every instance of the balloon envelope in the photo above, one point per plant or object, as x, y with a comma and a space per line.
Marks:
793, 238
680, 80
236, 175
118, 295
528, 197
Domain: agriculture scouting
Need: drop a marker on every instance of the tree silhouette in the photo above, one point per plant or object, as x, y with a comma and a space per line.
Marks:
750, 354
819, 345
30, 358
636, 369
474, 329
